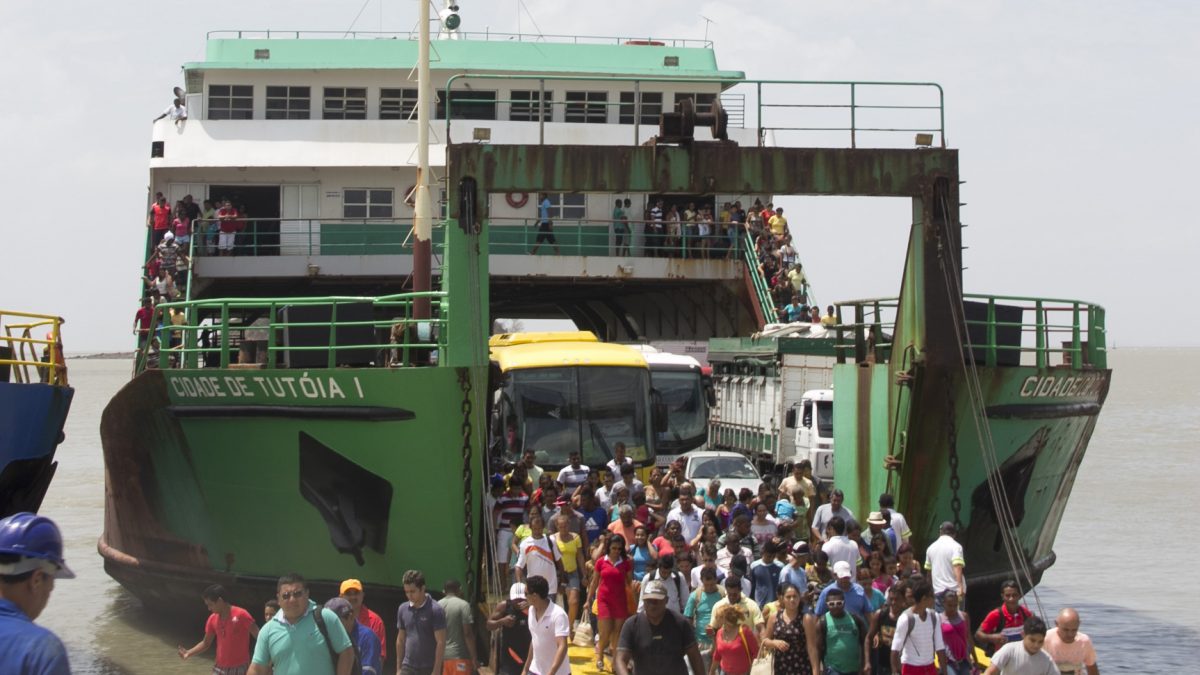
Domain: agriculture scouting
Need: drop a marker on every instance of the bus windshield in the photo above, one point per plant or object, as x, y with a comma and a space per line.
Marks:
587, 408
687, 416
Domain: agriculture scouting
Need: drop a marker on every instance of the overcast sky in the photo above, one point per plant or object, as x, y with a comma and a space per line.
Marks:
1076, 121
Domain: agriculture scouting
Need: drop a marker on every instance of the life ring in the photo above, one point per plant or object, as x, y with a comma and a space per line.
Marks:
517, 199
410, 196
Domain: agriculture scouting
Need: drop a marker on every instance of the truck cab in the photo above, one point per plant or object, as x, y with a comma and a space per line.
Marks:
812, 418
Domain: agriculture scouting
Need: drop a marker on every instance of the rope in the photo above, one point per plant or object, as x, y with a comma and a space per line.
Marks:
1007, 523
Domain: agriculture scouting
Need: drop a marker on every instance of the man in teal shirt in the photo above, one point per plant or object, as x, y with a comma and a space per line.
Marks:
293, 643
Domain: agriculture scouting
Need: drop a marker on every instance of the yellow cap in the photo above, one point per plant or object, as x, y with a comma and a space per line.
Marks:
351, 584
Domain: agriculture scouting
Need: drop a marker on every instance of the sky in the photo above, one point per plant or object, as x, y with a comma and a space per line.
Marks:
1076, 122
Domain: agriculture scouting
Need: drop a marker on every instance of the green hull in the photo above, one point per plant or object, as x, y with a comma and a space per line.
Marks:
1040, 422
366, 481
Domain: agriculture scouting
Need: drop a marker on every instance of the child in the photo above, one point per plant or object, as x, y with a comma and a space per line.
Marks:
269, 610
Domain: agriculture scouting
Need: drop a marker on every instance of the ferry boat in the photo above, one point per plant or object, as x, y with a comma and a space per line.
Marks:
324, 404
35, 398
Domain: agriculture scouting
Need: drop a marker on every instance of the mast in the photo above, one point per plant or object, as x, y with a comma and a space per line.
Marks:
423, 218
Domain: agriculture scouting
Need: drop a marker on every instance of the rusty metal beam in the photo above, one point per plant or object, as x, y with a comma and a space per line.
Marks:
702, 168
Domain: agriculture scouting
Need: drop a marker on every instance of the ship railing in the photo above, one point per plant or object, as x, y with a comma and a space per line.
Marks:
20, 360
291, 332
311, 236
632, 40
1004, 330
812, 113
593, 237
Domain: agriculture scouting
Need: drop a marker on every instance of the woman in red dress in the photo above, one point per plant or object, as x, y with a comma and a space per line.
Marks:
614, 573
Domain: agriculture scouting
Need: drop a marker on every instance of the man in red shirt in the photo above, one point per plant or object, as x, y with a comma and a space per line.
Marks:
232, 627
160, 217
141, 322
229, 222
1005, 623
352, 590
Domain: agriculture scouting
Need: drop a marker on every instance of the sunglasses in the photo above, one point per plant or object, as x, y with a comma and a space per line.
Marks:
288, 595
835, 603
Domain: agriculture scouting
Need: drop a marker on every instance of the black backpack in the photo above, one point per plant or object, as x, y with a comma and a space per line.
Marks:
355, 669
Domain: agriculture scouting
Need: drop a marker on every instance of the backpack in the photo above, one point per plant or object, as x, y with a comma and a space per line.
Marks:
319, 618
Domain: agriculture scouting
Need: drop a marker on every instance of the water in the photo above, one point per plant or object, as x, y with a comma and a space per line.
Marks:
1123, 551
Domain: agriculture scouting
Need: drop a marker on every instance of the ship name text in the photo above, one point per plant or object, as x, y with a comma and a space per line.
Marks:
318, 387
1057, 386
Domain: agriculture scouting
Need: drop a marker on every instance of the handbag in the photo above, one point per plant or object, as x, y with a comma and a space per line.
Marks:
583, 634
764, 664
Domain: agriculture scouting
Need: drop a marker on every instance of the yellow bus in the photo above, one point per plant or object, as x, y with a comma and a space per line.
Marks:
563, 391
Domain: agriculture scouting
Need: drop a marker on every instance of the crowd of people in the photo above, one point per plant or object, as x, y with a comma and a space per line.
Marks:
736, 580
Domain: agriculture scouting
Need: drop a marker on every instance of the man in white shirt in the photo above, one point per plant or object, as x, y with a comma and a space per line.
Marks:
918, 635
619, 460
687, 515
898, 524
539, 556
574, 473
825, 512
944, 562
549, 628
676, 585
839, 547
176, 111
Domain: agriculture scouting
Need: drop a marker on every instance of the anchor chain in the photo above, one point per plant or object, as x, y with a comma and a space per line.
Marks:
952, 459
464, 382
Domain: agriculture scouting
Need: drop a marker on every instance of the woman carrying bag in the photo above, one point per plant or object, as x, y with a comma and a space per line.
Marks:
734, 646
791, 634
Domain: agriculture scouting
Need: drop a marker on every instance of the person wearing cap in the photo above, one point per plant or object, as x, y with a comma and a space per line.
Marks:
511, 618
657, 639
549, 629
364, 642
232, 627
31, 558
352, 591
878, 529
944, 562
796, 571
855, 598
302, 638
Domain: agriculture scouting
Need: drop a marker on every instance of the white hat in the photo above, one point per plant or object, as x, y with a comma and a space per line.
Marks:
841, 569
168, 236
517, 592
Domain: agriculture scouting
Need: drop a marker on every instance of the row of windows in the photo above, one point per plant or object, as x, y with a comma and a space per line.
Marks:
236, 102
380, 203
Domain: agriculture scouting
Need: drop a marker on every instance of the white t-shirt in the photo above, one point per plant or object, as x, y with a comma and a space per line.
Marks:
572, 478
677, 589
841, 548
615, 469
920, 646
175, 112
690, 522
940, 559
900, 526
537, 558
1012, 659
544, 632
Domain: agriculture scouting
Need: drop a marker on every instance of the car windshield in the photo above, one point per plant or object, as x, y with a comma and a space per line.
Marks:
825, 418
581, 408
723, 467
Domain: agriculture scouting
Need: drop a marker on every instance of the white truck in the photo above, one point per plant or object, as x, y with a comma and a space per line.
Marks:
774, 399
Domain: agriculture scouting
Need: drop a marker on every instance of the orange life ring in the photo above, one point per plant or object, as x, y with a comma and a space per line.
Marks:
517, 199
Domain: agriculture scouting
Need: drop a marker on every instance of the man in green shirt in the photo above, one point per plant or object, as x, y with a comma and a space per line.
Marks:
460, 656
842, 638
293, 643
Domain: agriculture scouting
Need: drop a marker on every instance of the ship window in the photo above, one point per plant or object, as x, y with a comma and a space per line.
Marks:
588, 107
468, 105
651, 107
567, 206
524, 106
230, 102
288, 103
343, 103
703, 101
397, 104
367, 202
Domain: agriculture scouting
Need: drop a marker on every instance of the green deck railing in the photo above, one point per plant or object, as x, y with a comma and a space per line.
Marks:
261, 332
1003, 330
832, 106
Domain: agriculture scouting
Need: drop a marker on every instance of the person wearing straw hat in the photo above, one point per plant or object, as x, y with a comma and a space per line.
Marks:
31, 559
